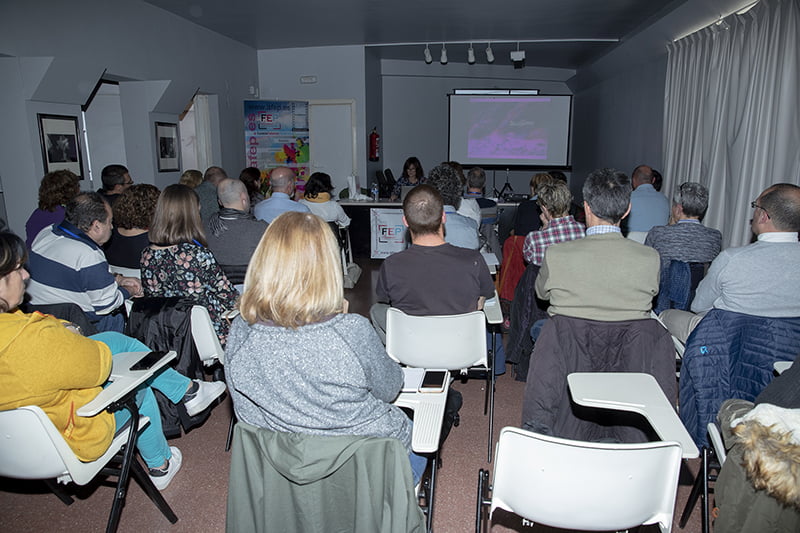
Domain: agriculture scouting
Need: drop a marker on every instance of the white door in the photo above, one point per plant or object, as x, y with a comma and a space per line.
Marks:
332, 131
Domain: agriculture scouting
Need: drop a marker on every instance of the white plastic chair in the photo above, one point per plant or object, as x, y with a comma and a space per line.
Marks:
581, 485
205, 337
451, 342
32, 448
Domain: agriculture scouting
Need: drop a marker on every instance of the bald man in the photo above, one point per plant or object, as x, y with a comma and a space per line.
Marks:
648, 206
281, 180
232, 232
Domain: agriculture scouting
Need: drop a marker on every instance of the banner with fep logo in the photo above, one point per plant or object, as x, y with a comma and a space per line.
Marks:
388, 234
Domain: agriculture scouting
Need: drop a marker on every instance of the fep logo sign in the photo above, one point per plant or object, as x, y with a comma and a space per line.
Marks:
388, 233
394, 233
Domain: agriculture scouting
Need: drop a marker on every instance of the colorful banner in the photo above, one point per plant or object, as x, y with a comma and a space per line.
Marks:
387, 232
276, 135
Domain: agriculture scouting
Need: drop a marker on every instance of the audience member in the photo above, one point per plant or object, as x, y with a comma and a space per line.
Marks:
458, 230
191, 178
296, 361
67, 264
178, 262
476, 188
232, 232
528, 215
282, 180
56, 189
133, 214
658, 180
412, 175
558, 225
318, 200
431, 277
760, 279
207, 192
648, 207
686, 240
47, 362
251, 177
469, 207
603, 276
116, 179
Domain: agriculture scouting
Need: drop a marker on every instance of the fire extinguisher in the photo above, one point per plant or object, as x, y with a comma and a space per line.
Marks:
374, 145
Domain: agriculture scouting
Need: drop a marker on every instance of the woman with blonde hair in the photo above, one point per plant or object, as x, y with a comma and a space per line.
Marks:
296, 362
178, 261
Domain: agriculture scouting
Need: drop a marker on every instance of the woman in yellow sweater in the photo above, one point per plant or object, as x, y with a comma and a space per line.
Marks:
46, 362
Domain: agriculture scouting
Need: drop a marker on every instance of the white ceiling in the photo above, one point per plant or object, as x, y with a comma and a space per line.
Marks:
269, 24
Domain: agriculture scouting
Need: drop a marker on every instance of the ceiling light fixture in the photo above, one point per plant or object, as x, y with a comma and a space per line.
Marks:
470, 55
443, 59
518, 57
489, 53
428, 57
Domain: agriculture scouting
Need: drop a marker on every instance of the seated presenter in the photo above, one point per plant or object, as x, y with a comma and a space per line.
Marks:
296, 362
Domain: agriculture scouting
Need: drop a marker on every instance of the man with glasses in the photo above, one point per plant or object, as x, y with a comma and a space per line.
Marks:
116, 180
760, 279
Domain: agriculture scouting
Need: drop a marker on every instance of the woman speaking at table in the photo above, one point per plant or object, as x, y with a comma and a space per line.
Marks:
295, 361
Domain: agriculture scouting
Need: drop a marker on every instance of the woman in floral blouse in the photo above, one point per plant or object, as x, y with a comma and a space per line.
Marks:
178, 261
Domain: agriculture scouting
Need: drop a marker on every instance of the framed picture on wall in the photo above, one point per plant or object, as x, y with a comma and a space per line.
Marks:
167, 147
61, 147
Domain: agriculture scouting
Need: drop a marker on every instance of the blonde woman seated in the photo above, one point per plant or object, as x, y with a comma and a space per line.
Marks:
296, 362
318, 200
179, 263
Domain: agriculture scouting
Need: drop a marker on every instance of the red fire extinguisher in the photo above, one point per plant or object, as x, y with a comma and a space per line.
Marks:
374, 145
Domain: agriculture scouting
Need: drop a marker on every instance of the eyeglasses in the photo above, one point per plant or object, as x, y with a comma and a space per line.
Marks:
127, 182
754, 205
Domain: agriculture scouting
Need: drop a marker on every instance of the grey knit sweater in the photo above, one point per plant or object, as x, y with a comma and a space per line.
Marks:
685, 241
328, 378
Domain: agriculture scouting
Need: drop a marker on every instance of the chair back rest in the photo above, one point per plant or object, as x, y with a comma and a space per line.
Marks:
205, 337
28, 448
451, 342
585, 485
715, 438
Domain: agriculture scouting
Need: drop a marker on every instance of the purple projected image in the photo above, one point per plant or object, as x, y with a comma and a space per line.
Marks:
506, 129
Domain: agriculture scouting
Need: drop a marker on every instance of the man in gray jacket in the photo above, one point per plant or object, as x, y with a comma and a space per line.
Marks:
232, 232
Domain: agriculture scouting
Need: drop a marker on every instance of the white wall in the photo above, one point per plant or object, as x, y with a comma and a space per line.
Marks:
105, 131
340, 73
59, 50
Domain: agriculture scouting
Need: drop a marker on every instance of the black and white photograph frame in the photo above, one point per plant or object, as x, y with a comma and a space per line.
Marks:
61, 145
168, 149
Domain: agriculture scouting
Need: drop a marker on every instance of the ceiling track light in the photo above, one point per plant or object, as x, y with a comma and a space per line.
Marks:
489, 54
428, 57
470, 55
518, 57
443, 59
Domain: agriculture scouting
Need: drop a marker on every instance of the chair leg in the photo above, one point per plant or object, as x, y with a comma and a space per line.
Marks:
491, 416
59, 491
704, 498
141, 477
229, 440
483, 489
432, 490
124, 471
693, 496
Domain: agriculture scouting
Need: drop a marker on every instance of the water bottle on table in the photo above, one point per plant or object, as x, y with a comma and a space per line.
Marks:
375, 193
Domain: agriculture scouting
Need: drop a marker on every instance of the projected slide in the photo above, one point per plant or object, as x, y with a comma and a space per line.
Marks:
510, 130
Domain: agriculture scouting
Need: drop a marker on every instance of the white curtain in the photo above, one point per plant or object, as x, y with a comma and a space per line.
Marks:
202, 117
732, 112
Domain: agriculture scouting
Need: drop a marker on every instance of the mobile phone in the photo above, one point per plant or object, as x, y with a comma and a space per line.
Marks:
148, 360
433, 381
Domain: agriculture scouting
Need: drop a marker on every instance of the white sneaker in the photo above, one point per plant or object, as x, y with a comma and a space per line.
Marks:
207, 391
161, 477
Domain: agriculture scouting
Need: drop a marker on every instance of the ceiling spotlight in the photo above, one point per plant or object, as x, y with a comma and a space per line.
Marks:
489, 54
470, 55
443, 59
428, 57
518, 57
